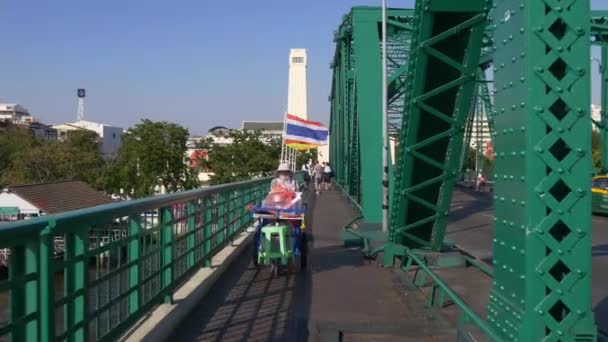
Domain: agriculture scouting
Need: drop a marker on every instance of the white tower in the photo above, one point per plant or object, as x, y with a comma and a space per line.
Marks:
80, 114
297, 98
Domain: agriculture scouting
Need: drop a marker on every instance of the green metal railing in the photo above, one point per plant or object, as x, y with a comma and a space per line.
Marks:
91, 274
440, 290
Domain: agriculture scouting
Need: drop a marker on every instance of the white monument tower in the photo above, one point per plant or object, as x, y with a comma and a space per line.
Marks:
297, 97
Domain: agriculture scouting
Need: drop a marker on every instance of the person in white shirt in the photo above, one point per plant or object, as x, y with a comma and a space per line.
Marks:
318, 176
326, 175
306, 169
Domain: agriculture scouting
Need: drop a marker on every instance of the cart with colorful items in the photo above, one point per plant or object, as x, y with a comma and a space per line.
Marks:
280, 239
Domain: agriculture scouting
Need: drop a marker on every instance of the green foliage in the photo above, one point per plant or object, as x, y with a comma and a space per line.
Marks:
304, 156
34, 161
12, 141
249, 155
486, 165
152, 153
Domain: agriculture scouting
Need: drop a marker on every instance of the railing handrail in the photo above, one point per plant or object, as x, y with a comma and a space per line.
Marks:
468, 312
107, 287
20, 229
352, 200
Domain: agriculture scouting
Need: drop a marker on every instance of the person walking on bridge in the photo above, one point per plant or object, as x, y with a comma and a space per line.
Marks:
326, 175
318, 176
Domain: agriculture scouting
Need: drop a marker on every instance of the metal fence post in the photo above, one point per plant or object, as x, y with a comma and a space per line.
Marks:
24, 292
47, 286
76, 281
167, 250
190, 230
134, 260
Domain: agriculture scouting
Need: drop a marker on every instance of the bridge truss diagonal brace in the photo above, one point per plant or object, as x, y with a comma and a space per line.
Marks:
542, 229
444, 56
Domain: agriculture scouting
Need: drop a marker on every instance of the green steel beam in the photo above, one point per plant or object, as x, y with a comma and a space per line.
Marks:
356, 118
444, 55
369, 81
542, 242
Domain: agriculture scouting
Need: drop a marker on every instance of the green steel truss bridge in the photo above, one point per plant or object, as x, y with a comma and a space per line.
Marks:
525, 262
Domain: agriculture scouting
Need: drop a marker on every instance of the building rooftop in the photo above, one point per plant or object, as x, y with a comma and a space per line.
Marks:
263, 125
13, 107
57, 197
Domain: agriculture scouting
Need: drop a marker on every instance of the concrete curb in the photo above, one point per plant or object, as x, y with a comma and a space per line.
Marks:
161, 322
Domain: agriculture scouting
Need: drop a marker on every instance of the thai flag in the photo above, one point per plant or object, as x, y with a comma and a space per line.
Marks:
304, 134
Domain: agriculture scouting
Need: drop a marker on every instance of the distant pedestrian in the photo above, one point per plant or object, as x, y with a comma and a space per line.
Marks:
306, 171
318, 176
480, 181
326, 175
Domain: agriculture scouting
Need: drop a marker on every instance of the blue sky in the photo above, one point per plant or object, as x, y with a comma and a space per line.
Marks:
197, 63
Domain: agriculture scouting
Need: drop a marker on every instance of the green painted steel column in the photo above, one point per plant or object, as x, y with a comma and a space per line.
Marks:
542, 243
134, 260
47, 285
76, 281
24, 293
604, 112
369, 109
190, 230
207, 224
167, 246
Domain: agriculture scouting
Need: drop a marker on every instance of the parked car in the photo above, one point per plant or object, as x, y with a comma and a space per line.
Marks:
599, 189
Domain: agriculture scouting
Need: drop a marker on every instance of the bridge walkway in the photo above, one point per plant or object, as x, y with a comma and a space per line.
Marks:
470, 226
340, 293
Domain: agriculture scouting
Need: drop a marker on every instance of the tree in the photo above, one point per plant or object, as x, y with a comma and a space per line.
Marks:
304, 156
47, 161
152, 154
13, 140
249, 155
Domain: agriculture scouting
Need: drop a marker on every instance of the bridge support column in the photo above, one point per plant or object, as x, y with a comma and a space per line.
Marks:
542, 244
369, 81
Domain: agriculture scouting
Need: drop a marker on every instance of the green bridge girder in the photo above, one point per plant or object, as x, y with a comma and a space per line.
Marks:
542, 229
356, 104
444, 57
599, 35
539, 50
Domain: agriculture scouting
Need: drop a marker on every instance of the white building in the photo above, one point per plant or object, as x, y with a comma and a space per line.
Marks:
14, 113
266, 128
110, 136
596, 115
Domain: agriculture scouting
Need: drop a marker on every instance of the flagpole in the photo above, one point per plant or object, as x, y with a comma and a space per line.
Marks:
283, 139
385, 143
